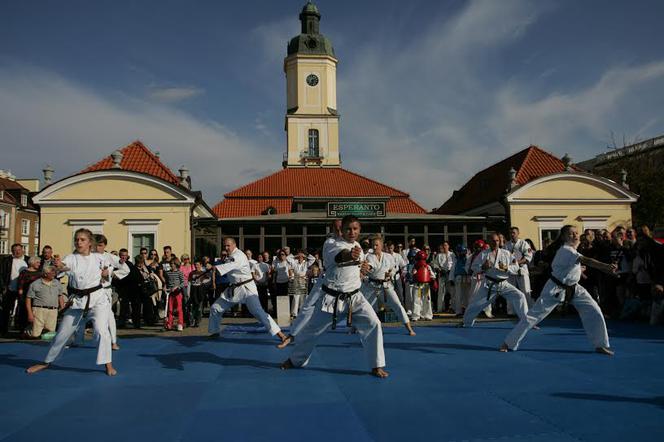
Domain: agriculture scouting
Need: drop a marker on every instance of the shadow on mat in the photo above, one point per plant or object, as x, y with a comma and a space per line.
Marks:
176, 361
13, 361
422, 347
658, 401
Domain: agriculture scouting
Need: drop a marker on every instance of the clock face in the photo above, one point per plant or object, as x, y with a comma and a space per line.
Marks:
312, 80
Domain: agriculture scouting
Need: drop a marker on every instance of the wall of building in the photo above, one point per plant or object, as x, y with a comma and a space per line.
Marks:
31, 240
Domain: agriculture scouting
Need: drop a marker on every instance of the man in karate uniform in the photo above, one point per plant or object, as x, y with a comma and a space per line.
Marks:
495, 263
242, 290
378, 287
522, 254
344, 263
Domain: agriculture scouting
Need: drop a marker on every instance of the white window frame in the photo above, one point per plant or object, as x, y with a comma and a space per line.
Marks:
25, 227
24, 200
594, 222
4, 247
3, 218
548, 222
142, 227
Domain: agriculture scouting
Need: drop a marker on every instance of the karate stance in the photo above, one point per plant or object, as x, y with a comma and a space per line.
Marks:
495, 262
444, 265
88, 275
344, 263
242, 290
378, 288
563, 286
315, 293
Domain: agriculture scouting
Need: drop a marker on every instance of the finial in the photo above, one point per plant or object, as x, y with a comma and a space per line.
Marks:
512, 177
184, 176
48, 174
567, 162
623, 179
117, 159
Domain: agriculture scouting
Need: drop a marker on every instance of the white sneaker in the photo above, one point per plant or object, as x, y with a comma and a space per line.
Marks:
179, 327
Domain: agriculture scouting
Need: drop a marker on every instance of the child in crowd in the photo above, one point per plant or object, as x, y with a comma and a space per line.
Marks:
174, 288
314, 275
200, 281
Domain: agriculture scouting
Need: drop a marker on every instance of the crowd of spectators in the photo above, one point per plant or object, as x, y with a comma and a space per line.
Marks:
174, 292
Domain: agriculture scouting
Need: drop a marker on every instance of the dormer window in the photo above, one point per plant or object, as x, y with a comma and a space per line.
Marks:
24, 200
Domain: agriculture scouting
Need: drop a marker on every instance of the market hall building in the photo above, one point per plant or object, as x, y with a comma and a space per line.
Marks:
294, 206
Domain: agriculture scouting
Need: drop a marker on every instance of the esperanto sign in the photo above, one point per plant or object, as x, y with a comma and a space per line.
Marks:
361, 209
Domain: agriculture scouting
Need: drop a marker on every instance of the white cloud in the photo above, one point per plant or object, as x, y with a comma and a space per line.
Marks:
427, 117
46, 119
173, 94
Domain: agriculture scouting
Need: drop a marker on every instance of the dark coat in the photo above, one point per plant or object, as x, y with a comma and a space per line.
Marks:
6, 270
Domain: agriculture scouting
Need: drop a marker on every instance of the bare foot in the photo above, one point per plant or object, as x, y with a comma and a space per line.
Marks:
287, 365
285, 342
504, 348
536, 327
115, 347
379, 372
213, 336
37, 367
604, 351
411, 332
110, 370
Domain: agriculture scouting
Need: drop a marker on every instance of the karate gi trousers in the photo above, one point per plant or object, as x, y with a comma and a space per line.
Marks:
474, 286
242, 296
511, 294
461, 293
72, 320
364, 320
377, 295
551, 297
79, 336
521, 282
421, 294
308, 309
445, 287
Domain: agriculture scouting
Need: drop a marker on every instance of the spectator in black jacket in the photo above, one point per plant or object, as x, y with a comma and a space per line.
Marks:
10, 269
127, 280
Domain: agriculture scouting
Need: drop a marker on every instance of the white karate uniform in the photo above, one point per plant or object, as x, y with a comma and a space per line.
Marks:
85, 272
566, 267
316, 292
490, 289
421, 295
346, 279
238, 269
378, 293
444, 264
519, 275
475, 281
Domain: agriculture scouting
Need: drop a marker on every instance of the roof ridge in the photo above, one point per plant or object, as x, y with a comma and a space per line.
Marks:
252, 183
154, 157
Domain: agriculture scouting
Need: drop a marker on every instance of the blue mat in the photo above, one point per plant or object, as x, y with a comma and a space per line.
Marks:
445, 384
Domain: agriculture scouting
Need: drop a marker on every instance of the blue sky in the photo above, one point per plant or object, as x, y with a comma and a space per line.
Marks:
429, 92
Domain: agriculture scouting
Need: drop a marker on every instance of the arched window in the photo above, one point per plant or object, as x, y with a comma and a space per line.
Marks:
313, 143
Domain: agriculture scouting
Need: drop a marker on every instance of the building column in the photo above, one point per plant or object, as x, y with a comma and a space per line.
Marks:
261, 241
304, 237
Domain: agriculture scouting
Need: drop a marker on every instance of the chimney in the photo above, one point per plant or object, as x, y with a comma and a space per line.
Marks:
567, 162
184, 177
512, 177
157, 153
48, 174
117, 159
623, 179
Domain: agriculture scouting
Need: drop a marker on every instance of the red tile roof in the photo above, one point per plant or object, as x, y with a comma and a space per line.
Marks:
137, 158
7, 184
279, 189
490, 184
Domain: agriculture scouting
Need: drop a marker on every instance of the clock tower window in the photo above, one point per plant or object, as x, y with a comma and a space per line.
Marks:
313, 143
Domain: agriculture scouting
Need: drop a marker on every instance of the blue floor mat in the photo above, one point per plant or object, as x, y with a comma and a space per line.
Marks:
445, 384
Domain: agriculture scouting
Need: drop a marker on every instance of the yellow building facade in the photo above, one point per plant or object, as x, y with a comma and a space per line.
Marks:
132, 209
542, 206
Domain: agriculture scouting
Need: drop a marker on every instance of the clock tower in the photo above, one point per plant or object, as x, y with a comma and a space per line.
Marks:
312, 121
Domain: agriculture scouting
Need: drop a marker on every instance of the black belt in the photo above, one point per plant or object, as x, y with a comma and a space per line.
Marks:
43, 306
81, 293
235, 285
379, 281
340, 296
569, 289
494, 281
